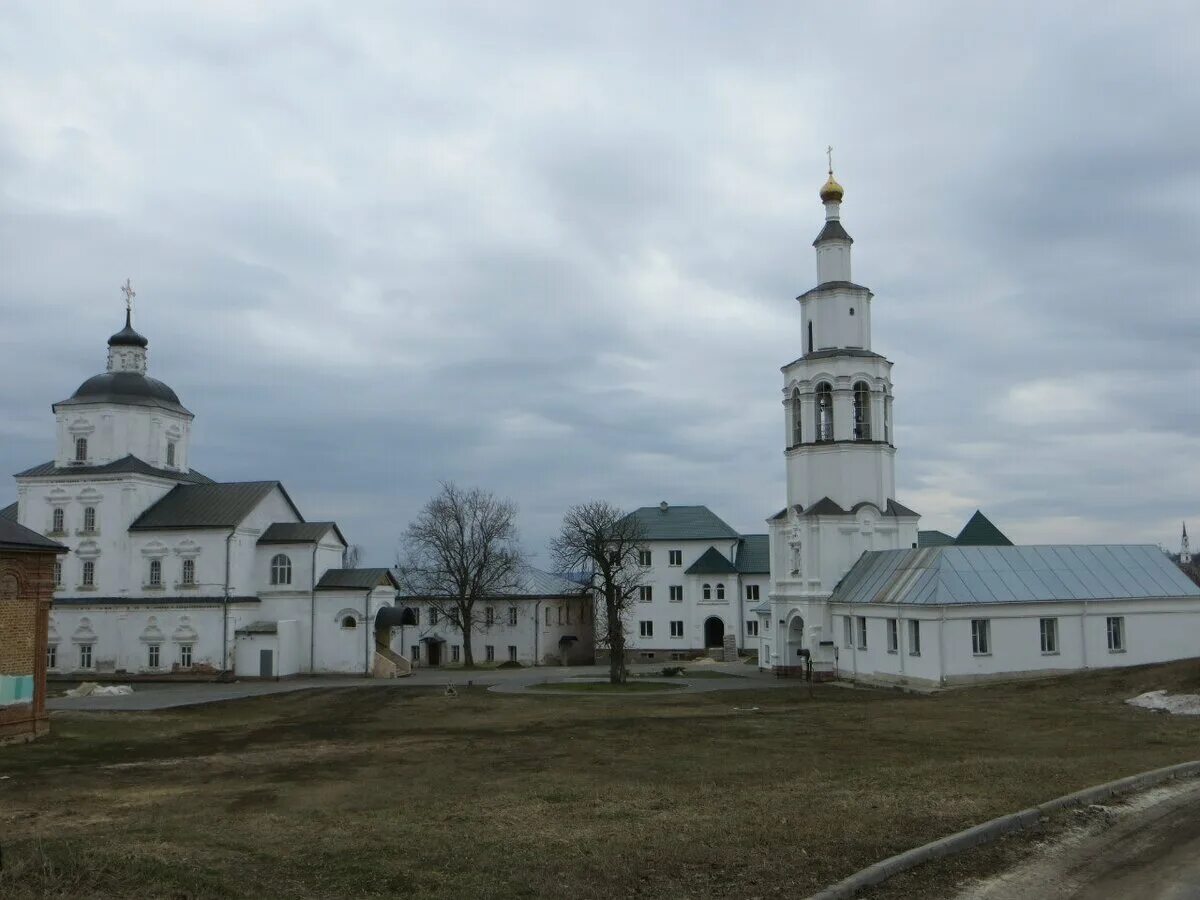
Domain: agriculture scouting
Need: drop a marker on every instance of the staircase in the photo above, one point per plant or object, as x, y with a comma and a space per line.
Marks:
389, 664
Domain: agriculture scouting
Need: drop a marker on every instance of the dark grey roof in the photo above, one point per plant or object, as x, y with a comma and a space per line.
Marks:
188, 600
9, 512
827, 507
126, 388
754, 554
529, 582
899, 509
355, 579
826, 286
299, 532
681, 523
259, 628
208, 505
832, 352
976, 575
127, 464
934, 538
18, 537
711, 562
833, 231
980, 532
127, 337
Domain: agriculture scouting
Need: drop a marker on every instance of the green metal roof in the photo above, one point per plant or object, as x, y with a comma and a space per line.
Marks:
934, 538
681, 523
980, 532
711, 562
9, 512
754, 554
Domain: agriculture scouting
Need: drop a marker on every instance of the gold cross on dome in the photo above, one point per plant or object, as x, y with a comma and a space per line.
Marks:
129, 292
829, 153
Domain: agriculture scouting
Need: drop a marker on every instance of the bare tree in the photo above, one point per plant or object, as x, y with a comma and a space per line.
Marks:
350, 556
461, 548
598, 537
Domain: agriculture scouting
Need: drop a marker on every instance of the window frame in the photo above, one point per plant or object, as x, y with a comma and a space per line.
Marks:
187, 572
58, 520
489, 616
87, 573
752, 592
646, 628
86, 659
89, 520
914, 637
862, 411
154, 574
1114, 628
58, 573
489, 652
824, 413
847, 632
153, 656
512, 652
720, 590
752, 628
676, 628
185, 656
455, 653
893, 635
675, 593
52, 656
512, 615
981, 637
862, 632
1048, 635
171, 454
706, 592
645, 593
281, 569
81, 449
645, 558
674, 557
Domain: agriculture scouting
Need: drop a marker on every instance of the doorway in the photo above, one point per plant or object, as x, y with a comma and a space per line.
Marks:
795, 640
714, 632
433, 651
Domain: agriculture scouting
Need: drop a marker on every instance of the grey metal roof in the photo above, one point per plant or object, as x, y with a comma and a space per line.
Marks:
9, 512
207, 505
826, 286
125, 465
934, 538
126, 388
18, 537
188, 600
979, 575
530, 582
298, 532
754, 554
681, 523
355, 579
833, 231
763, 609
711, 562
259, 628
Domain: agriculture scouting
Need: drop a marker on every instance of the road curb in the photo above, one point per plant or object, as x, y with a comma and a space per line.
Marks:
989, 831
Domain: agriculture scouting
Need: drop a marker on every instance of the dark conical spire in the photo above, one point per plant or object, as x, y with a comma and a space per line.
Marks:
980, 532
127, 337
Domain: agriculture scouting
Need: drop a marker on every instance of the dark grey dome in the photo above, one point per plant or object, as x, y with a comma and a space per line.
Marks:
129, 388
127, 337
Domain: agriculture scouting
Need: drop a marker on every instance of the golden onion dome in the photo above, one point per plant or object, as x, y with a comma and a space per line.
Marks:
831, 191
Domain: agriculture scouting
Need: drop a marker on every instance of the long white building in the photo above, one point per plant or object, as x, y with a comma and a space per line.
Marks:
171, 572
858, 590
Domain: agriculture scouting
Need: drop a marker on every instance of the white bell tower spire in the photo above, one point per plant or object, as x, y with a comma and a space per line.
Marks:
1185, 552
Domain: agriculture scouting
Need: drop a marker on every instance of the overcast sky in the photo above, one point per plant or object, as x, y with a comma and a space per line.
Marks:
552, 249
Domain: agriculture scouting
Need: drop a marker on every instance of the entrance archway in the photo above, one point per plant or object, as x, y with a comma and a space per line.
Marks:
795, 640
714, 632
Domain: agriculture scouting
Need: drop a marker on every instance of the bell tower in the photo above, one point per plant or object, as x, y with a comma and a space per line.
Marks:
839, 441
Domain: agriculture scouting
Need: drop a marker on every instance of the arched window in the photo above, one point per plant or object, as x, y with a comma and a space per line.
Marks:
80, 449
189, 571
281, 569
797, 431
721, 591
349, 622
89, 518
89, 573
862, 411
824, 411
707, 591
58, 521
155, 572
170, 453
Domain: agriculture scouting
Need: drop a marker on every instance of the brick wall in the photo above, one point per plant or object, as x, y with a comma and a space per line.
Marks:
26, 591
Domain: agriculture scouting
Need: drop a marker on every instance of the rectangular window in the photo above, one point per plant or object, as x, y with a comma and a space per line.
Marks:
89, 518
646, 629
1116, 634
52, 656
676, 593
914, 637
152, 655
893, 636
155, 579
1049, 632
643, 557
80, 449
58, 573
675, 557
170, 453
189, 571
491, 653
752, 627
752, 592
862, 632
58, 521
489, 616
847, 632
645, 593
549, 612
433, 617
567, 607
185, 656
981, 637
512, 653
677, 629
85, 656
512, 615
89, 573
416, 653
455, 651
560, 615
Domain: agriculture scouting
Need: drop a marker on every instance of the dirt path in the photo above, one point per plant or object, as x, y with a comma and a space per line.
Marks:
1148, 848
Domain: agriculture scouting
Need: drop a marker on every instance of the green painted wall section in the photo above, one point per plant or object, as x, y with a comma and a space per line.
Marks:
16, 689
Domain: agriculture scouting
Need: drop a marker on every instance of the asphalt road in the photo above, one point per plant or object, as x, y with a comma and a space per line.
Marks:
1148, 849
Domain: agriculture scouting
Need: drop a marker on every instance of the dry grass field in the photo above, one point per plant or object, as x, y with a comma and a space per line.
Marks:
398, 791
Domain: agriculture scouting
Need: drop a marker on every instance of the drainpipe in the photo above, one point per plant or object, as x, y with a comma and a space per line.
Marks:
225, 608
942, 648
537, 628
367, 632
312, 615
1083, 633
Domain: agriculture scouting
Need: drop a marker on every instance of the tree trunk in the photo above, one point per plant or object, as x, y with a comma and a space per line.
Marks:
616, 645
464, 628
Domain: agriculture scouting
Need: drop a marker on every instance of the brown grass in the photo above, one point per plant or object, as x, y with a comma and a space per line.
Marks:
384, 791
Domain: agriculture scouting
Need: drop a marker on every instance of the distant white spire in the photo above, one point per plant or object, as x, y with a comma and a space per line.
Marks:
1185, 554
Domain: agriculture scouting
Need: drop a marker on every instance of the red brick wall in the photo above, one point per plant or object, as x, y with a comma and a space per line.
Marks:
26, 591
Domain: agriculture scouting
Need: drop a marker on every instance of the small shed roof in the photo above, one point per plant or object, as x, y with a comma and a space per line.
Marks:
25, 540
299, 532
356, 579
711, 562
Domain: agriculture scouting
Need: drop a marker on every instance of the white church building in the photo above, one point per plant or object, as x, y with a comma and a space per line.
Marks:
852, 590
172, 572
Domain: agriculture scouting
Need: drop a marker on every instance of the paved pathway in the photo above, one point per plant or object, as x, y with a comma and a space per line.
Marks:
1149, 850
168, 695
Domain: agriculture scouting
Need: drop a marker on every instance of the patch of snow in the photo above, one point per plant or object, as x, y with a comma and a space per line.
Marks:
1161, 701
92, 689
